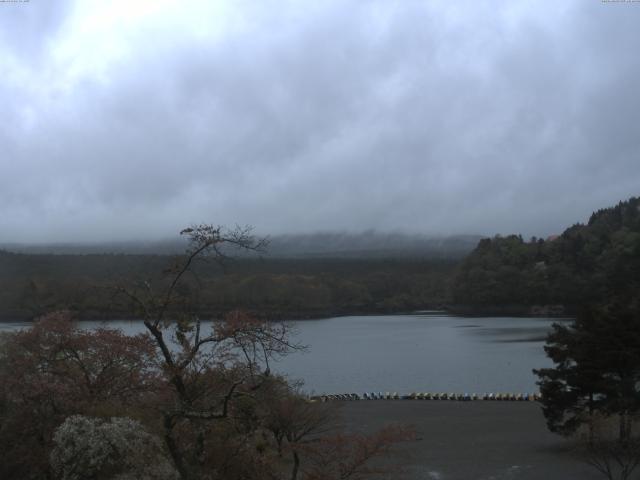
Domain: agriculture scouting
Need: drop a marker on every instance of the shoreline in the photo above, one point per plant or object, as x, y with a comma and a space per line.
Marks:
524, 312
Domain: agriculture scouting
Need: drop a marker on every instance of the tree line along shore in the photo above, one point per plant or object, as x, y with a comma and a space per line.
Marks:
503, 275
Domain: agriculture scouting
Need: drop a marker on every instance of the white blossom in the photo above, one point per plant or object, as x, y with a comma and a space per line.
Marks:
117, 449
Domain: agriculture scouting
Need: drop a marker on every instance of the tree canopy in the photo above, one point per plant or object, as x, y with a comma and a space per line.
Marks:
587, 264
597, 369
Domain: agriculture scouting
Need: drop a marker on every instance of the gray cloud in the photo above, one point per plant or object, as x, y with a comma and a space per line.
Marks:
480, 118
27, 29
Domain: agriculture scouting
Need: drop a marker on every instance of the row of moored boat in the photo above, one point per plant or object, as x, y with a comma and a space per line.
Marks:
462, 397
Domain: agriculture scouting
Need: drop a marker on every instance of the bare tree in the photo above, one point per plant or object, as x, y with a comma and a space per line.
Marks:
614, 457
207, 369
195, 400
222, 414
314, 439
295, 422
352, 456
616, 460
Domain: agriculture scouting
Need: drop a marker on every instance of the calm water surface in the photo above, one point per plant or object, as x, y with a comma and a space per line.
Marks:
406, 353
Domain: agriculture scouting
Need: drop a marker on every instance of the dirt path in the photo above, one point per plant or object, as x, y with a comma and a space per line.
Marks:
474, 440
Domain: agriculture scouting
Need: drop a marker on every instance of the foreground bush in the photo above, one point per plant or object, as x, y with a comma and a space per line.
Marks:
55, 370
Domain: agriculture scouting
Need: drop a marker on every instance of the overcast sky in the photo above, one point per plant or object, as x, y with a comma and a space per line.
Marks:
132, 119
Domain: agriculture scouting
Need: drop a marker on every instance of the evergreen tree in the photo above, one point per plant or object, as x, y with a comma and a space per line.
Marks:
597, 370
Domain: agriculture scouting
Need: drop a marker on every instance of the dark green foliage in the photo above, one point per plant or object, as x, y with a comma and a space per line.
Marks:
587, 263
597, 358
277, 288
597, 369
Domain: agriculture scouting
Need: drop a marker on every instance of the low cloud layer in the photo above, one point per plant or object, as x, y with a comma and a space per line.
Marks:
129, 120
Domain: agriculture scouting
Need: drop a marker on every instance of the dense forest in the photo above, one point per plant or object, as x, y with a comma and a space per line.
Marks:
31, 285
588, 264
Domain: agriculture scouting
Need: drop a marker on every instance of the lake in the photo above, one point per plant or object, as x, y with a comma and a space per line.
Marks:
409, 353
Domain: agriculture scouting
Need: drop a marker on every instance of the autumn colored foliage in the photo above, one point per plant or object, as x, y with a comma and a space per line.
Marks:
54, 370
197, 400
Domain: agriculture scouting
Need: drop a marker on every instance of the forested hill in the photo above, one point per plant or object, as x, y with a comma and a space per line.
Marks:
332, 274
593, 263
299, 276
31, 285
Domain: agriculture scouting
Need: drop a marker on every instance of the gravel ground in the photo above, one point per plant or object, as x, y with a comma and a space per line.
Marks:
473, 440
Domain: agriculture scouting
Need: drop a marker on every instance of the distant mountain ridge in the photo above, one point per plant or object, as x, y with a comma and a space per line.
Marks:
366, 244
371, 244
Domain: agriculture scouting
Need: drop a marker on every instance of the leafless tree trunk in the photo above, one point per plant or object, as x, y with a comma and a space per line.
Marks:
616, 455
241, 341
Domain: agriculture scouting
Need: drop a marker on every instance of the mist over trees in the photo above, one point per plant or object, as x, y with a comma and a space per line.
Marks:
586, 263
365, 244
